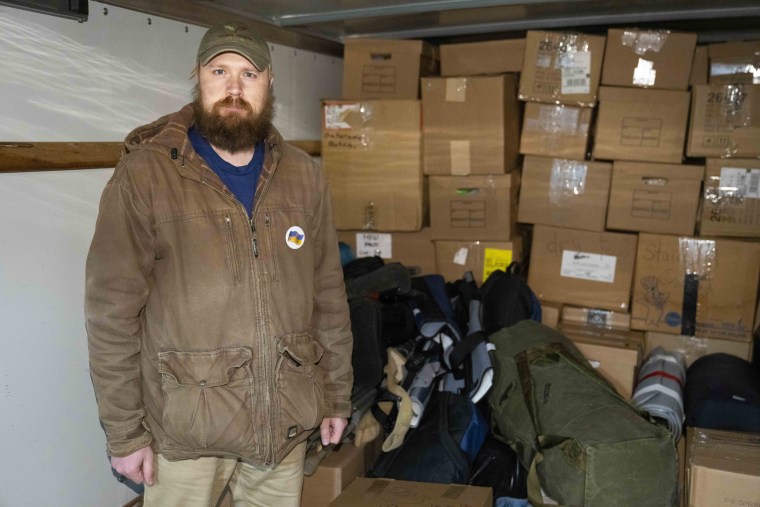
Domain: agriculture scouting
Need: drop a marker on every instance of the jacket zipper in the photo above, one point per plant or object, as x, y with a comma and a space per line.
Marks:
267, 388
254, 242
264, 387
233, 251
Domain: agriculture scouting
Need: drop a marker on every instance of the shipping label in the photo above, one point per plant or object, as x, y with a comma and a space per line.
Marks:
588, 266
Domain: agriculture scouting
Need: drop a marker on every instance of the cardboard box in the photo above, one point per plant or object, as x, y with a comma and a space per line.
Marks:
555, 131
648, 58
649, 197
471, 125
723, 468
489, 57
596, 318
582, 268
638, 124
694, 347
731, 198
370, 189
561, 68
725, 121
735, 62
386, 69
550, 313
564, 193
333, 475
474, 207
454, 258
415, 250
696, 287
366, 492
700, 66
616, 355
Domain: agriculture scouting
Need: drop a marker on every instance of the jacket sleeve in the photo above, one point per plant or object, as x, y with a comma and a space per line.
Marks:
116, 290
332, 325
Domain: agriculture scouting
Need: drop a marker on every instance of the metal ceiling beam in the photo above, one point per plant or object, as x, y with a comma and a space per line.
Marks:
399, 10
564, 21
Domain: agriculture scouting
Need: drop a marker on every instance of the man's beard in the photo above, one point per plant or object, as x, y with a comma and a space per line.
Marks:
236, 131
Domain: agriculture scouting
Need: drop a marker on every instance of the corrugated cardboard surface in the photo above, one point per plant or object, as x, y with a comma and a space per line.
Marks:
730, 206
726, 273
555, 131
415, 250
615, 354
694, 347
386, 69
700, 66
725, 121
561, 68
366, 492
372, 153
454, 258
489, 57
474, 207
734, 62
649, 197
639, 124
564, 193
581, 267
723, 468
471, 125
550, 313
333, 475
595, 318
648, 58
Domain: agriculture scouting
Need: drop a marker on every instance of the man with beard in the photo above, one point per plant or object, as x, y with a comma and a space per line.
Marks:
216, 313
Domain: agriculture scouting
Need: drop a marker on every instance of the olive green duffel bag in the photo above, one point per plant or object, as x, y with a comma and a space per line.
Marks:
584, 445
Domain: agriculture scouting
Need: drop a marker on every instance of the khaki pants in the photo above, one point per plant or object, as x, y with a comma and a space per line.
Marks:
200, 482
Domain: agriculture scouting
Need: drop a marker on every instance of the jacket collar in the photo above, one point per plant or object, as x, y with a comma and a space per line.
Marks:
168, 136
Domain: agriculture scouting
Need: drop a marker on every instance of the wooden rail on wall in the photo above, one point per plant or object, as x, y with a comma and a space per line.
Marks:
30, 156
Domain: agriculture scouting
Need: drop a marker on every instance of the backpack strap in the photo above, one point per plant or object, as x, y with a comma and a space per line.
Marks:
464, 347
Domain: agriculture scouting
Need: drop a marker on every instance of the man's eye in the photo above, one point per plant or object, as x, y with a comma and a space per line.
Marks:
250, 74
218, 72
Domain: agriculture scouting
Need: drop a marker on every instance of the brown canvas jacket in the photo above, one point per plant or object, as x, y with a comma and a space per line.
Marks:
208, 333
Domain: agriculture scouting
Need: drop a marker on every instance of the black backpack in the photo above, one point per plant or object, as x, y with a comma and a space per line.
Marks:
442, 448
507, 299
375, 322
722, 393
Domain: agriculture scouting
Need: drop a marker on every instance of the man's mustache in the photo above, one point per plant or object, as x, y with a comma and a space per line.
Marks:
231, 101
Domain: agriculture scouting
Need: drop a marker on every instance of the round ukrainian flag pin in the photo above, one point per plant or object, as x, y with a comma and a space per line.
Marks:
295, 237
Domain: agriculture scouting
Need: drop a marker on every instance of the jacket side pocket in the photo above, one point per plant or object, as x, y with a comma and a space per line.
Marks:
207, 398
300, 387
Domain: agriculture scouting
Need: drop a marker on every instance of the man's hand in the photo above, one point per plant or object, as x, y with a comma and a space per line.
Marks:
137, 467
331, 429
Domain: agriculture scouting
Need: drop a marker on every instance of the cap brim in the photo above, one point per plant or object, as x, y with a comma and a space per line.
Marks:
260, 61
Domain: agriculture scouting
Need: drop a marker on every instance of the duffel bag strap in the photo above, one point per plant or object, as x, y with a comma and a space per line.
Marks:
542, 441
535, 497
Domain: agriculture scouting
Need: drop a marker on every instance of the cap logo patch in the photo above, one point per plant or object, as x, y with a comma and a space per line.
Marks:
295, 237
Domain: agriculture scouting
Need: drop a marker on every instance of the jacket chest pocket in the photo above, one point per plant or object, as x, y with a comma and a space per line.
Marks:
300, 387
289, 245
207, 398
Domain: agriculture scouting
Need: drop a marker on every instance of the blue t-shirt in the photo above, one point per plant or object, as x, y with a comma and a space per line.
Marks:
241, 181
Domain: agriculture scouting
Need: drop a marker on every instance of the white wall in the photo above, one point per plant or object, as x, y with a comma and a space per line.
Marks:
65, 81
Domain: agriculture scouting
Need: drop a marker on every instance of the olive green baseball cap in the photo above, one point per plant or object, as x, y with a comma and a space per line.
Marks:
236, 37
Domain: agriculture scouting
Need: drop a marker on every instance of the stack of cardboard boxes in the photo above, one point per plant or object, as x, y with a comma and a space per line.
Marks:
471, 136
631, 160
372, 151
